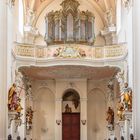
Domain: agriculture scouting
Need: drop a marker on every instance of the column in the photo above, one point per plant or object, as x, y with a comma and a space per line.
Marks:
127, 127
136, 46
83, 117
3, 67
58, 119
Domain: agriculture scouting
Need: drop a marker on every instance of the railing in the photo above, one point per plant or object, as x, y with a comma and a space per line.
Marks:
70, 51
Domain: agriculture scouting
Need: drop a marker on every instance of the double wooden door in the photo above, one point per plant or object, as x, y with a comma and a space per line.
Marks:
71, 126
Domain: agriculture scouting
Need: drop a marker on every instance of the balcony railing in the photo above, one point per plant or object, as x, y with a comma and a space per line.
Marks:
73, 51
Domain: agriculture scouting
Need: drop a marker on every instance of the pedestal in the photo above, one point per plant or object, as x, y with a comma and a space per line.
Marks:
109, 34
121, 125
128, 124
17, 124
111, 133
11, 117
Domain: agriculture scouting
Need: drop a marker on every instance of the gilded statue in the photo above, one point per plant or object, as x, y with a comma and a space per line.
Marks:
19, 107
12, 98
120, 110
110, 116
14, 102
127, 97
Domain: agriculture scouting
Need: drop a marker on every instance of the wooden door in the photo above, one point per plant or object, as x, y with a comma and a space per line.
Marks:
71, 126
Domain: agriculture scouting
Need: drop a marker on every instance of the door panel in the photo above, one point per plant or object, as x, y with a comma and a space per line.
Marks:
71, 126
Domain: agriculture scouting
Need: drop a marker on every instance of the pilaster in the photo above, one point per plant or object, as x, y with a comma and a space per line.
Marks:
3, 69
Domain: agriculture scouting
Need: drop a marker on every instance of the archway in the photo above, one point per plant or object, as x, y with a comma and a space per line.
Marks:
71, 115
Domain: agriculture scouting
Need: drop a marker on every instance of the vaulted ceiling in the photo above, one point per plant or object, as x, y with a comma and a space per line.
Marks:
100, 6
57, 72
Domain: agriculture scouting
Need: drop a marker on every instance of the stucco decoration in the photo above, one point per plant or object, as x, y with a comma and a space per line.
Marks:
127, 4
69, 52
109, 52
11, 3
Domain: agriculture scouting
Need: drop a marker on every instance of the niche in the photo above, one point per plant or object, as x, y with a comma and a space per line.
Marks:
71, 101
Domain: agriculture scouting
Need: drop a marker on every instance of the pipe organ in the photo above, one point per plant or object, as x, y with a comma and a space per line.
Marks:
69, 25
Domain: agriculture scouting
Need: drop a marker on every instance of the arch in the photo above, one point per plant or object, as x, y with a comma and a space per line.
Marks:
70, 90
43, 6
41, 87
96, 88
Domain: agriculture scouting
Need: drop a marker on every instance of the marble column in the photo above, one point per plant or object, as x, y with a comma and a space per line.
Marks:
136, 46
3, 68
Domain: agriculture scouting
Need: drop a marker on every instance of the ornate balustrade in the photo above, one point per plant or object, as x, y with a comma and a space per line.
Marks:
73, 51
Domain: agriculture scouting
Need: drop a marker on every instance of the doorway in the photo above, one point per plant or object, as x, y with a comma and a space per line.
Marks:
71, 115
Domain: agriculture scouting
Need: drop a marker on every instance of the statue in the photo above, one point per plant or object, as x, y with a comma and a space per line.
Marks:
19, 107
12, 98
14, 101
109, 17
68, 109
120, 110
110, 116
127, 97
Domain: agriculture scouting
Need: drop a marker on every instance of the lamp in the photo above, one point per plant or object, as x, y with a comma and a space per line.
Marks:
83, 122
58, 122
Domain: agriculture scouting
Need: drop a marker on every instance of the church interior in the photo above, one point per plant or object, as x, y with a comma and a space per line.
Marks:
68, 70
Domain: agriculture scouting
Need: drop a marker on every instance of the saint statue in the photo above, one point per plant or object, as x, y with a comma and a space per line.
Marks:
12, 98
68, 109
110, 116
120, 110
127, 97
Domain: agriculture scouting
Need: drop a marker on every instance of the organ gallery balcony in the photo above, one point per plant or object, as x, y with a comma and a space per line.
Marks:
70, 52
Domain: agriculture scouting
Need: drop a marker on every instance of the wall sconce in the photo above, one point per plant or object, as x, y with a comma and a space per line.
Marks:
58, 122
83, 122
